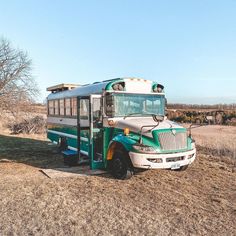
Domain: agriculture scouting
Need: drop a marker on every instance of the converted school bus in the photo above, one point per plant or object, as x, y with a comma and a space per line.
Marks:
117, 124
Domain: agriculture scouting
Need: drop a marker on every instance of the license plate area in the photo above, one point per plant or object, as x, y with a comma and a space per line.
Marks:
175, 166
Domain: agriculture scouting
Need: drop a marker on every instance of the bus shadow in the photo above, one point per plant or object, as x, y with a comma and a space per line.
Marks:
40, 154
37, 153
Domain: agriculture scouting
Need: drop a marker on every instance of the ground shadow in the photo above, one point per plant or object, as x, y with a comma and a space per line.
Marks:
37, 153
32, 152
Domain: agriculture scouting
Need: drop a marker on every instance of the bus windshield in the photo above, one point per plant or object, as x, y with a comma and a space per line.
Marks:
138, 104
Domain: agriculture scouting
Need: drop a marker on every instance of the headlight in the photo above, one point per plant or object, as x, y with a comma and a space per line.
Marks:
144, 149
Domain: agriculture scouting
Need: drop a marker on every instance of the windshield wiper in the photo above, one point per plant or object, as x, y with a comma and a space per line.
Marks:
156, 117
139, 113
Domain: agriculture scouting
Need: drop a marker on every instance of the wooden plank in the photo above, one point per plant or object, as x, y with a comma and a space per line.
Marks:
71, 172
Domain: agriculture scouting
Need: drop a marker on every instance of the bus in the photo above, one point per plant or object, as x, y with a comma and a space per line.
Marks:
118, 125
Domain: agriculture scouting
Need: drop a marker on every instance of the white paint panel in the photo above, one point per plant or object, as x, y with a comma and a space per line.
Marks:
62, 120
67, 121
138, 86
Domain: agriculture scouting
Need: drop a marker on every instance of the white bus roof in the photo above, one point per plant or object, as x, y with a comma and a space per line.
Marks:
135, 85
80, 91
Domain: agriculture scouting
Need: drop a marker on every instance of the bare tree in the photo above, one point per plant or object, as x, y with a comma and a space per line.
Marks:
17, 86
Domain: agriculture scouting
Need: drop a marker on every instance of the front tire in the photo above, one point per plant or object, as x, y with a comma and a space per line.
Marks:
119, 165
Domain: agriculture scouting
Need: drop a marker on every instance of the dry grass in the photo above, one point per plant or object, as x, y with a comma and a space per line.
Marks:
217, 140
198, 201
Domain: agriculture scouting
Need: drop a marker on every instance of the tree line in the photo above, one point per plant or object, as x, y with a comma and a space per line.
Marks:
202, 106
219, 117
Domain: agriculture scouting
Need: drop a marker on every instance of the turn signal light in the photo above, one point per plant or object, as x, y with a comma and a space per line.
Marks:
155, 160
126, 131
111, 122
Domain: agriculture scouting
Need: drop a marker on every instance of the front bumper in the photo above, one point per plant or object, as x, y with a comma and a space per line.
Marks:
165, 161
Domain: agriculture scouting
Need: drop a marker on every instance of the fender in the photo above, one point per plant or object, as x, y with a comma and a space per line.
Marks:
119, 141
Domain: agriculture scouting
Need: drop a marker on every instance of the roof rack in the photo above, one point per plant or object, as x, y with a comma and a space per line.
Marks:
62, 87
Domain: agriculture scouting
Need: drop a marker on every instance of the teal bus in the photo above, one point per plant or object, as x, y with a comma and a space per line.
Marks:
118, 125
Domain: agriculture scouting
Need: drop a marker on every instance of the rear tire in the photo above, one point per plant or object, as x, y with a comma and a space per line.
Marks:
120, 166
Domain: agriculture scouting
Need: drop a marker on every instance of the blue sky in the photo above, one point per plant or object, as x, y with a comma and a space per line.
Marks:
189, 46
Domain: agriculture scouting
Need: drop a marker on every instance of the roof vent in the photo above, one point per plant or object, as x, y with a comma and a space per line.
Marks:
62, 87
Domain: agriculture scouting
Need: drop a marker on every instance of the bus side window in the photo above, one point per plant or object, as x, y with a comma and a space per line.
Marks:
50, 108
74, 106
84, 109
97, 110
67, 105
62, 110
71, 109
56, 107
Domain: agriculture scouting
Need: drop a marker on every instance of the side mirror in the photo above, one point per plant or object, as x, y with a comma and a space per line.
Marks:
166, 102
158, 118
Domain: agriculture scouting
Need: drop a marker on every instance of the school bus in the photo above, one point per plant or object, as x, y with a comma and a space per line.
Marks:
118, 125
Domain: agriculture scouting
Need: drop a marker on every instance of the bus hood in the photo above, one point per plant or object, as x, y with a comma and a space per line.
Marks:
135, 124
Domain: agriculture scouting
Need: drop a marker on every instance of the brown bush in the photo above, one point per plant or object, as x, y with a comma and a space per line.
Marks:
36, 125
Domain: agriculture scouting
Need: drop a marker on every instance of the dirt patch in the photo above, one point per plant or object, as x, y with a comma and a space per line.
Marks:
198, 201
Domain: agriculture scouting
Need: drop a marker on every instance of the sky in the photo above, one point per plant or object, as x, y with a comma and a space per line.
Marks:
189, 46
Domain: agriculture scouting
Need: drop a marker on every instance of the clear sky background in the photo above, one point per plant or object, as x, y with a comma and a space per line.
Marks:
188, 46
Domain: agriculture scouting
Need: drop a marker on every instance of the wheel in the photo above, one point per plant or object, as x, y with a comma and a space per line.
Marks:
62, 144
182, 168
119, 165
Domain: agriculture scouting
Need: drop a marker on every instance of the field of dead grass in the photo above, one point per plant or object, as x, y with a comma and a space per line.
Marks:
198, 201
216, 140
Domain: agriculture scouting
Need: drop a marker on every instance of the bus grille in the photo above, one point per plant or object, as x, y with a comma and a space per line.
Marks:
170, 141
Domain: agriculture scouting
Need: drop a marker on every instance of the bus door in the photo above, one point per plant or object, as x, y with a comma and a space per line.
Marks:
83, 126
96, 132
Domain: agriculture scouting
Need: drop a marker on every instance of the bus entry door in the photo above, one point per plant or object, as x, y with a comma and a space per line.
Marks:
96, 132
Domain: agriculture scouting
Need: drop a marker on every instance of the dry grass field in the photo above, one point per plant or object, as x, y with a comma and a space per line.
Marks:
198, 201
217, 140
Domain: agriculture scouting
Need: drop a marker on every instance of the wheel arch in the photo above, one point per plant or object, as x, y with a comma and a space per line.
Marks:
114, 146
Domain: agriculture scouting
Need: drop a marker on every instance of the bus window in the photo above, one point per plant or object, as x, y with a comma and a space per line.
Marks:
50, 108
67, 104
96, 111
153, 106
84, 109
74, 106
62, 110
56, 107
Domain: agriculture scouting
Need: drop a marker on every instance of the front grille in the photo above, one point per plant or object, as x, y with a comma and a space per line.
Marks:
170, 141
174, 159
